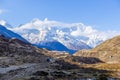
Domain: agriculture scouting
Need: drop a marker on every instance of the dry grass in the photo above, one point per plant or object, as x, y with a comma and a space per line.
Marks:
113, 69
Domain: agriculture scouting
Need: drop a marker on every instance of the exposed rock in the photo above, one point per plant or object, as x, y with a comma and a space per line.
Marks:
41, 73
59, 74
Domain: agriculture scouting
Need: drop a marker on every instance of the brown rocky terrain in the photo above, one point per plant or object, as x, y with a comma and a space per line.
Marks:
23, 61
108, 52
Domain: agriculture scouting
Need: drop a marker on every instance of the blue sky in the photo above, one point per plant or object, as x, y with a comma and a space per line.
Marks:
101, 14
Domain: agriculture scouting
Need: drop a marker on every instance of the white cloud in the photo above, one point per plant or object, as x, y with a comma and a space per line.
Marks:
2, 11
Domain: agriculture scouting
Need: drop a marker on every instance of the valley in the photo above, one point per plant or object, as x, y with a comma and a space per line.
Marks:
51, 60
22, 61
59, 39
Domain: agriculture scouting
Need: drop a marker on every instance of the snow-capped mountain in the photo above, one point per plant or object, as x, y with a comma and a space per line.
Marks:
37, 31
9, 34
74, 35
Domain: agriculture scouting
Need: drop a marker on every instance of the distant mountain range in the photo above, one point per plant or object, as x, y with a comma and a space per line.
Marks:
61, 36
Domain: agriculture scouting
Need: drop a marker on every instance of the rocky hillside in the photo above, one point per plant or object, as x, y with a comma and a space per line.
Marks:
108, 51
18, 51
109, 45
23, 61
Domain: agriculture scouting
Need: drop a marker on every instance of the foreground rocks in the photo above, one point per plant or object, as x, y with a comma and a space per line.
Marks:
23, 61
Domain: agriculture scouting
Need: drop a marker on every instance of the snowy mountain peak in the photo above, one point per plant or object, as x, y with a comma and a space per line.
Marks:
4, 23
73, 35
46, 19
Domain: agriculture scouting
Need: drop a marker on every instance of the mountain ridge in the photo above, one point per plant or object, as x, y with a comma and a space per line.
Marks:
74, 36
55, 46
54, 30
51, 44
9, 34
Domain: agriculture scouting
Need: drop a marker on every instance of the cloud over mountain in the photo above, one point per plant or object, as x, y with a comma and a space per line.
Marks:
2, 11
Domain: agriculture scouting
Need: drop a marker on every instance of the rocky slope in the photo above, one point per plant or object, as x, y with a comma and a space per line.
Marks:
22, 61
108, 51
